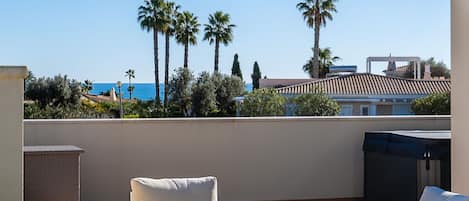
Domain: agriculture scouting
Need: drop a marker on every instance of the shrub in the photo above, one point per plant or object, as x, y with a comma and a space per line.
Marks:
436, 104
204, 100
56, 91
263, 102
180, 93
317, 104
226, 89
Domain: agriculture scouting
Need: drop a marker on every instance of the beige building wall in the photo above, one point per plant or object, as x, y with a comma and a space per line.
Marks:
253, 158
384, 109
11, 133
460, 95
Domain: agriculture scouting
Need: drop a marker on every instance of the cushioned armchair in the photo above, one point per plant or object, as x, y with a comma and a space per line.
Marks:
181, 189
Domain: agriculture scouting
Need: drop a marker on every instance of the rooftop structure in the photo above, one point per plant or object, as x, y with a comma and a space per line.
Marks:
277, 83
370, 84
392, 63
369, 94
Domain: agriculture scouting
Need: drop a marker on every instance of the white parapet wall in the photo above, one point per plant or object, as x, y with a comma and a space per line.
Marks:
11, 132
253, 158
460, 95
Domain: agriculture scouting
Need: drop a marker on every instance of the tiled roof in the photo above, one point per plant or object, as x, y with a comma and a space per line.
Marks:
370, 84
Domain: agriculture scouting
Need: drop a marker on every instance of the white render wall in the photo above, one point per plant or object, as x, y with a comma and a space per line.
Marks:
11, 132
253, 158
460, 95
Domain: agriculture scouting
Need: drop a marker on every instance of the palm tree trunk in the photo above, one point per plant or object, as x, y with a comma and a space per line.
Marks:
316, 50
186, 54
130, 87
166, 72
217, 49
155, 53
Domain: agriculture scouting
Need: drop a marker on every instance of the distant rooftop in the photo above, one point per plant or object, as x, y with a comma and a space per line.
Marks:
277, 83
370, 84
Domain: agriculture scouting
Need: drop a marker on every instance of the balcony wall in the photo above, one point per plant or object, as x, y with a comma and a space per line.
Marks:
254, 159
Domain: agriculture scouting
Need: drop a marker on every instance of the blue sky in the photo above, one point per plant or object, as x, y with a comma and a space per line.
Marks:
99, 40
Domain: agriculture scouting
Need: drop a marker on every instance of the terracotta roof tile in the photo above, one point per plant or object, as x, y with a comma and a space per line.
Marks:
370, 84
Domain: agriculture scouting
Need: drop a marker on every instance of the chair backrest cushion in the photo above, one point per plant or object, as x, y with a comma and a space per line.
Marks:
180, 189
432, 193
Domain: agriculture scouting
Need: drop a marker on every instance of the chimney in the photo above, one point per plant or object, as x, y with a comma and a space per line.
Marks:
428, 74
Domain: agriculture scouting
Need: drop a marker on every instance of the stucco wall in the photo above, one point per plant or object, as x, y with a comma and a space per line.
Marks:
460, 83
254, 159
11, 132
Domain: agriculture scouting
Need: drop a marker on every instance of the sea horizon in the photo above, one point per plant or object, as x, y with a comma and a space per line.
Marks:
142, 91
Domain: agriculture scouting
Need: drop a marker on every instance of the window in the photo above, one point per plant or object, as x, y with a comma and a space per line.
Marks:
346, 110
364, 110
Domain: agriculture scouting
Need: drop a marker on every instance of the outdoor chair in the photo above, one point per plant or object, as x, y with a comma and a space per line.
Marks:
432, 193
180, 189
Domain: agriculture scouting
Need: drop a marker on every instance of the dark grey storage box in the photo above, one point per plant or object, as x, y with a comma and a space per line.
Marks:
399, 164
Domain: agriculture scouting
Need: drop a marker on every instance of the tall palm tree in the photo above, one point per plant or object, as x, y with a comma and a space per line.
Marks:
316, 13
187, 28
218, 30
170, 12
326, 60
150, 16
130, 74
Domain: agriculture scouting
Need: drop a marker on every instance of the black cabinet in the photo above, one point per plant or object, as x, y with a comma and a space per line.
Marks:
399, 164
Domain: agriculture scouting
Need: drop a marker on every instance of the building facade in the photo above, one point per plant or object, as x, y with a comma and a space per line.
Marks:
364, 94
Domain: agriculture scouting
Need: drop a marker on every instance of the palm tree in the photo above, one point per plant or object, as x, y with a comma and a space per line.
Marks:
170, 12
187, 28
326, 60
316, 13
218, 30
130, 74
87, 86
150, 16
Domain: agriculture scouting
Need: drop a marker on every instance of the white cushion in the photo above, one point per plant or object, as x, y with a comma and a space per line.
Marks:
183, 189
432, 193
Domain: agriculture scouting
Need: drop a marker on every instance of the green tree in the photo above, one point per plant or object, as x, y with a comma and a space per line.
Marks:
264, 102
87, 86
236, 69
317, 104
316, 13
438, 69
326, 60
180, 92
204, 100
218, 30
56, 91
187, 28
435, 104
131, 75
256, 76
226, 89
170, 12
151, 18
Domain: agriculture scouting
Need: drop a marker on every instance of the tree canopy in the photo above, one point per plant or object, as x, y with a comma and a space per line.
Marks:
264, 102
317, 104
180, 92
256, 76
236, 68
436, 104
326, 60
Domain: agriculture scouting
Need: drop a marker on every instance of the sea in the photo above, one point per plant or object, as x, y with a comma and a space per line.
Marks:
142, 91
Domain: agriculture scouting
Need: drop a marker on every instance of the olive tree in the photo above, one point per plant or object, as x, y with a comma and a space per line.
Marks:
315, 104
264, 102
204, 100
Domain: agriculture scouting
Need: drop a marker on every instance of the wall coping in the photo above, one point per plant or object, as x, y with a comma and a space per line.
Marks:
229, 119
13, 72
